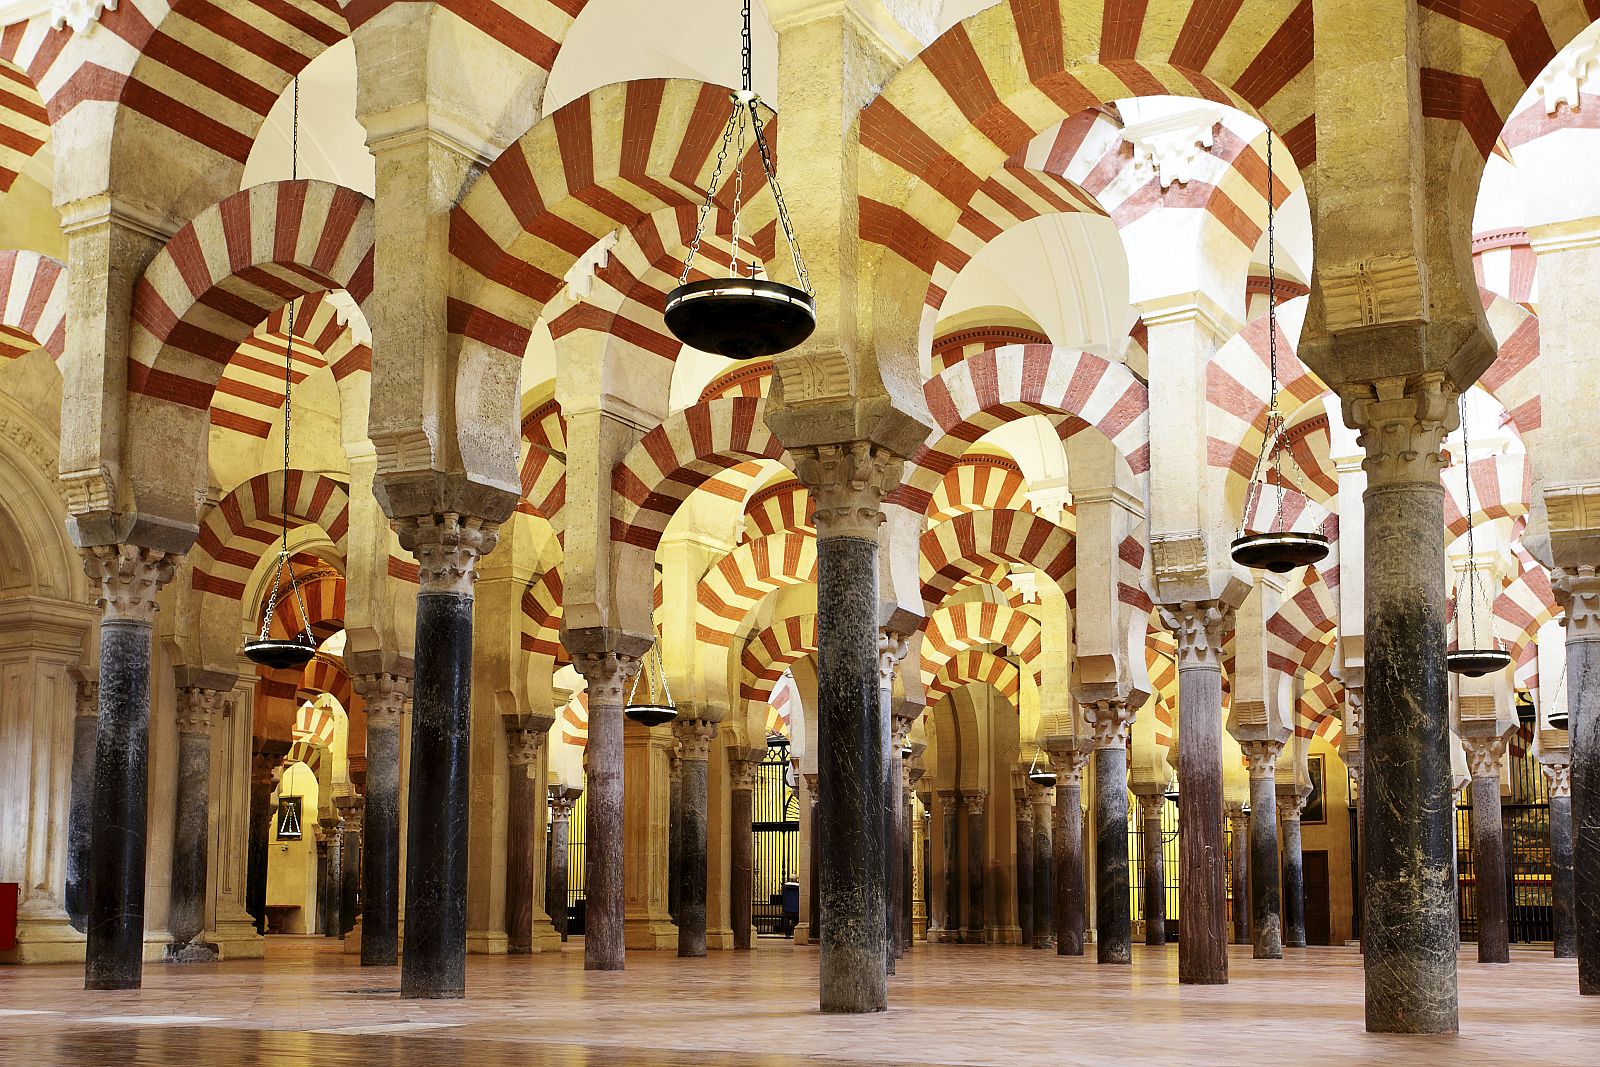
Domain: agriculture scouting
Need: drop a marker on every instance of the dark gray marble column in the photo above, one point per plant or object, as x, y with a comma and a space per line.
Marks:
262, 770
1484, 758
694, 745
522, 796
674, 830
81, 807
1266, 903
1114, 928
1239, 814
1578, 590
385, 696
1155, 870
1025, 867
191, 831
447, 549
894, 810
1558, 775
1069, 880
1410, 933
743, 775
1200, 629
907, 838
1292, 803
561, 802
351, 851
814, 863
1043, 868
333, 883
605, 900
977, 867
950, 830
127, 579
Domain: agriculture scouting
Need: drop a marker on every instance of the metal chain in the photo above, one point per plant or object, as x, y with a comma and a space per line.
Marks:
1472, 555
744, 55
783, 208
738, 202
655, 668
711, 194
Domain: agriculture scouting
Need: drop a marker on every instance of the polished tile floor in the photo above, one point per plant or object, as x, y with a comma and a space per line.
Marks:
309, 1004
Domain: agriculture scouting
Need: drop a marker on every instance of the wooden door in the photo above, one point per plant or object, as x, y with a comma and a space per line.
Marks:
1319, 915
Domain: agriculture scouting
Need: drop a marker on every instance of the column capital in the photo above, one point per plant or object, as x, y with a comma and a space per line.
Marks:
448, 548
127, 578
948, 802
1151, 806
975, 800
1292, 803
562, 800
694, 736
88, 702
197, 709
1401, 422
1558, 775
892, 649
1261, 755
1235, 810
744, 773
523, 744
1577, 590
1110, 720
1200, 628
1024, 808
1485, 755
848, 483
385, 696
1039, 794
1068, 763
606, 673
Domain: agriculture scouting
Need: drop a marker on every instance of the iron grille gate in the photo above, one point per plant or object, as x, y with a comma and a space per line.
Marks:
775, 859
1169, 863
1525, 814
575, 836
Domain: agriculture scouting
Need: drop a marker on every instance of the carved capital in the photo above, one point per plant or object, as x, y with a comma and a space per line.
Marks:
1559, 777
606, 673
892, 648
1068, 765
694, 738
128, 578
1261, 756
975, 801
384, 695
448, 548
1354, 707
1401, 424
522, 746
1577, 590
848, 483
561, 806
1039, 797
197, 710
1024, 808
1485, 755
80, 15
1200, 628
1234, 810
1110, 720
88, 705
1178, 557
1292, 804
948, 803
744, 774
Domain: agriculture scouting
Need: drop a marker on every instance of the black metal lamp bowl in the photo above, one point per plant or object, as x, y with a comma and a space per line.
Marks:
1279, 553
1042, 777
652, 714
1477, 662
741, 318
1559, 721
279, 654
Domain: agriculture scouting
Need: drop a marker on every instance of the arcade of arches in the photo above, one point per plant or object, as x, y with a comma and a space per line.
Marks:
973, 707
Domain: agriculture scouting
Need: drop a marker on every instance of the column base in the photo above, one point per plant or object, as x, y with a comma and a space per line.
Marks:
487, 942
652, 934
352, 940
1005, 935
46, 939
545, 938
722, 940
236, 939
196, 951
802, 933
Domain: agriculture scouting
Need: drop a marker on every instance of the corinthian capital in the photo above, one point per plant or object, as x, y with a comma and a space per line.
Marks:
523, 744
1068, 764
1577, 590
448, 548
1558, 775
128, 578
848, 483
1200, 628
1401, 424
606, 674
892, 648
1261, 755
1484, 755
1110, 720
197, 710
694, 738
385, 696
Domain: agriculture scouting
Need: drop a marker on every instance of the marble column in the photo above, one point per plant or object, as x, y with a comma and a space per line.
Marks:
351, 851
950, 831
848, 484
1578, 590
522, 756
80, 809
694, 746
674, 830
1410, 931
1110, 720
1069, 881
814, 863
197, 710
385, 696
1024, 866
1291, 805
604, 887
1239, 816
908, 843
894, 801
1266, 903
447, 549
126, 579
561, 803
1155, 873
333, 882
1199, 629
1485, 756
264, 772
1558, 776
977, 864
743, 776
1043, 867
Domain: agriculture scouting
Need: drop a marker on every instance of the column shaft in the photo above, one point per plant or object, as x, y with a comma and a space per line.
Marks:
1266, 904
1489, 868
1566, 919
1114, 929
520, 817
740, 899
694, 736
1294, 882
1202, 840
81, 811
1241, 879
1155, 874
380, 854
1583, 709
333, 887
1025, 870
190, 839
674, 835
1069, 883
1043, 870
977, 864
603, 886
952, 868
260, 833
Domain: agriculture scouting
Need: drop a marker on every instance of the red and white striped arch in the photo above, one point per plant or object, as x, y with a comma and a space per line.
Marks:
541, 619
33, 304
573, 724
1300, 633
974, 666
249, 394
1503, 261
953, 347
1319, 711
1161, 663
993, 388
957, 627
770, 651
246, 524
740, 579
327, 674
677, 457
1513, 377
544, 467
952, 550
750, 378
779, 508
1502, 488
1525, 604
224, 273
979, 482
322, 592
24, 123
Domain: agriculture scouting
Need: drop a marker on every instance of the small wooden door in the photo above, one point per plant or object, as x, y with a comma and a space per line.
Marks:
1319, 916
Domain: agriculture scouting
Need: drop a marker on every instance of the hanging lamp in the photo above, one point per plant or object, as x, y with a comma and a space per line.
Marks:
742, 317
1278, 551
652, 711
1041, 775
276, 652
1465, 659
1171, 790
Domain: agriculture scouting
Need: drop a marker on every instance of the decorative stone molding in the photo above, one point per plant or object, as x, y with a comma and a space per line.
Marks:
385, 696
694, 736
1262, 757
88, 491
448, 548
892, 649
32, 445
1178, 557
1485, 755
1234, 810
129, 577
1559, 777
1354, 708
197, 709
81, 15
1577, 590
948, 803
848, 483
523, 745
1475, 706
1170, 146
1110, 720
744, 774
1372, 291
1068, 765
975, 801
1401, 424
1562, 81
1572, 508
606, 673
350, 806
1200, 628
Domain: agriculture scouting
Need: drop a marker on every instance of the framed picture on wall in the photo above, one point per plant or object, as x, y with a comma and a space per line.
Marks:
1316, 808
288, 818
